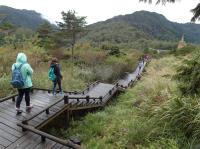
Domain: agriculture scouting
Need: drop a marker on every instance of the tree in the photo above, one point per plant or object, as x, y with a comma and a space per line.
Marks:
71, 27
195, 11
46, 35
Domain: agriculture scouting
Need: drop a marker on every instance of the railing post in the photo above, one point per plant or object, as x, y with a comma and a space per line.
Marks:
66, 99
47, 111
100, 98
13, 99
43, 138
87, 98
117, 84
25, 123
110, 92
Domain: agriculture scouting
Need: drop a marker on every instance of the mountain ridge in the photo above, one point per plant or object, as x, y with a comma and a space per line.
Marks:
135, 28
21, 17
157, 26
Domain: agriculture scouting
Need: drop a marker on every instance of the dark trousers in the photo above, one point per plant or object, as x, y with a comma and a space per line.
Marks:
57, 81
21, 93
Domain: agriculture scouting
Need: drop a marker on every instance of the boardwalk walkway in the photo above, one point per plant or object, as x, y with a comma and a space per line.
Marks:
47, 107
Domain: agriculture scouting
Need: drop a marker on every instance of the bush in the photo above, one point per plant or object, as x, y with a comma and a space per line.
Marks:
5, 87
184, 51
180, 116
188, 75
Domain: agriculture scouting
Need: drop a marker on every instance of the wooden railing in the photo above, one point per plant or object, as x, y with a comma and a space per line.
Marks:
48, 136
8, 98
42, 111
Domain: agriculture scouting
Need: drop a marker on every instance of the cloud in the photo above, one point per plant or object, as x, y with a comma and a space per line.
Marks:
96, 10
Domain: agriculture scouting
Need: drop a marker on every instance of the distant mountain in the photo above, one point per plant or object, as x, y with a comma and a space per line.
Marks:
132, 29
141, 25
21, 18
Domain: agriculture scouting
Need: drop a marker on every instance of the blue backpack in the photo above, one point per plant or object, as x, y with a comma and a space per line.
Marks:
52, 75
17, 78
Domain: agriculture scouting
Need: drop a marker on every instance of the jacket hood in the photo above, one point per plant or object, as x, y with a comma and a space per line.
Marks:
21, 58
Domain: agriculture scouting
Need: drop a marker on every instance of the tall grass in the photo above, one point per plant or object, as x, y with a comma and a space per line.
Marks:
91, 64
160, 119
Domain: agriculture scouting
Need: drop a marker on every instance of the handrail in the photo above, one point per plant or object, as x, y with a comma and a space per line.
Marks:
89, 87
87, 98
51, 137
70, 92
9, 97
44, 110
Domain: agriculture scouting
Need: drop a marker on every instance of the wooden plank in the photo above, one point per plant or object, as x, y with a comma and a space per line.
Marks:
20, 140
12, 105
7, 136
34, 110
20, 117
48, 144
36, 140
11, 113
30, 140
45, 99
57, 146
11, 130
2, 147
4, 142
10, 124
9, 118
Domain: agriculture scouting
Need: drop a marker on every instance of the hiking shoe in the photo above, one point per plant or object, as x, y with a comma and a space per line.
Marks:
54, 93
19, 111
28, 108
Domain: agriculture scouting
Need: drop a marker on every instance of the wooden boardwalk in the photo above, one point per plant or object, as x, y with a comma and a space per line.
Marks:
12, 136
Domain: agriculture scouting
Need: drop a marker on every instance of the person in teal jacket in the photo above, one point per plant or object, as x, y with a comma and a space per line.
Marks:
26, 72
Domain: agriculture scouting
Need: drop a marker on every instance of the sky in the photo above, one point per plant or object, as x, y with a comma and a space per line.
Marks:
100, 10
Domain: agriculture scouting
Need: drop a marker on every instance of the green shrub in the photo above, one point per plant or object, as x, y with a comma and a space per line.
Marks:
5, 87
180, 116
188, 75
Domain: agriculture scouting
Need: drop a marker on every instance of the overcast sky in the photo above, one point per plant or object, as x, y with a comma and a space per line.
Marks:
100, 10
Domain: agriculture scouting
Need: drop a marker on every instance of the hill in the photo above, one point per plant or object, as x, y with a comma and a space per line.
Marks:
21, 18
141, 25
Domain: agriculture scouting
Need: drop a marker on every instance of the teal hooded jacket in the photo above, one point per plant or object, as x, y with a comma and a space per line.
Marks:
26, 69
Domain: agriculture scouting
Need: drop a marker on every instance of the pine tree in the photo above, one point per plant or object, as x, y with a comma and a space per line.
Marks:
71, 27
46, 35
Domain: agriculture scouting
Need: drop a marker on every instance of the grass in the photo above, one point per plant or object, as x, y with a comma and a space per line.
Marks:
133, 120
90, 65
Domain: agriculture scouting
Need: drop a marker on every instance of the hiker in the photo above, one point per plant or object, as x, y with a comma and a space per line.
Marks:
139, 68
56, 77
23, 69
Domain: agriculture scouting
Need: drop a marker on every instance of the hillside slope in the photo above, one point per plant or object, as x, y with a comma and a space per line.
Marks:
142, 25
21, 18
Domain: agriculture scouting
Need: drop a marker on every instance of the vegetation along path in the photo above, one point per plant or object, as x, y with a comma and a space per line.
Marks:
48, 107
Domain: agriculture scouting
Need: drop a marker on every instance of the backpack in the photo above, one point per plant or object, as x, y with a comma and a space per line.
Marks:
52, 75
17, 78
